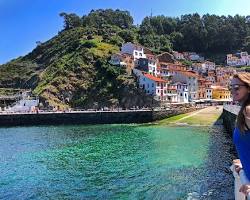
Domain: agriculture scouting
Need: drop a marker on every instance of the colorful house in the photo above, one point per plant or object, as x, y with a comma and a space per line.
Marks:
220, 93
152, 85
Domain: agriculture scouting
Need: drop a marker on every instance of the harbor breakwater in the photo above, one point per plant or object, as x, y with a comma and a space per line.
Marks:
89, 117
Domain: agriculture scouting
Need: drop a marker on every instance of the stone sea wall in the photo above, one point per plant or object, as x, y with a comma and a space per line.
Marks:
91, 117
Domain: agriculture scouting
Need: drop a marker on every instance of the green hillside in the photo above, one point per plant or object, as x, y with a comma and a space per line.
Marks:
72, 69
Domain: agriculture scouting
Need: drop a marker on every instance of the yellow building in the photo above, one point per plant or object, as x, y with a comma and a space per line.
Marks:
220, 93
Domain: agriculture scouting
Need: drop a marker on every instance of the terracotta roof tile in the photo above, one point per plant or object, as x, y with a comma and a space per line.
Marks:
153, 78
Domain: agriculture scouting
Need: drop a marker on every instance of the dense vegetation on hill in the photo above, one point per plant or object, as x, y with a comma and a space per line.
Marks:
72, 69
203, 34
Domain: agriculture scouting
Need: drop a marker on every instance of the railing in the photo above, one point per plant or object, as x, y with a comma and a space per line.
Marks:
239, 180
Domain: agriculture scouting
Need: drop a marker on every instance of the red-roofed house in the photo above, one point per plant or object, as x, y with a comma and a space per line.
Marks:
152, 85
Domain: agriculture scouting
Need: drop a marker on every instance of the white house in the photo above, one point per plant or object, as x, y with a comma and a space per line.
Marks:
135, 50
152, 64
191, 79
182, 92
207, 66
152, 85
172, 95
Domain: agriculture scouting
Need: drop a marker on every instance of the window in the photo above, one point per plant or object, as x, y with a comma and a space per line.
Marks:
181, 94
153, 84
136, 53
148, 85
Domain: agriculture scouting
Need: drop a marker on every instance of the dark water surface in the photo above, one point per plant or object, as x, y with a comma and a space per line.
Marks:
115, 162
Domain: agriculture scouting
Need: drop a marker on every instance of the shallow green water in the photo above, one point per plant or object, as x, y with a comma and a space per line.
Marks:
115, 162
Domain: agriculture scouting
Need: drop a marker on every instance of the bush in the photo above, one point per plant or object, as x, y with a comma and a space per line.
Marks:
89, 44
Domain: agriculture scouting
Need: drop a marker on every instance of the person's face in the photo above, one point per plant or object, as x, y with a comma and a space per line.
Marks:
239, 90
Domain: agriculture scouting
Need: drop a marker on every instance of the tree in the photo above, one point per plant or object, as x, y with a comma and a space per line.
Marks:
176, 39
246, 45
127, 35
71, 20
97, 18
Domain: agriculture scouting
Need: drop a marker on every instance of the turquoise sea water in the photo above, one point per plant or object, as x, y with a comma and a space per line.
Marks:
115, 162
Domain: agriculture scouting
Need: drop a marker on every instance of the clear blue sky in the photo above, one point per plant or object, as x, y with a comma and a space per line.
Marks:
23, 22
